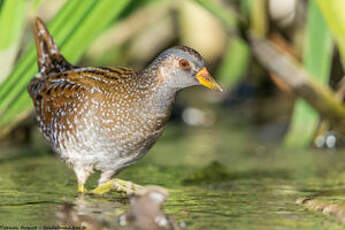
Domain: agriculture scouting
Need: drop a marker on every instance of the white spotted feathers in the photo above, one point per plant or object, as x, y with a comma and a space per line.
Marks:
103, 118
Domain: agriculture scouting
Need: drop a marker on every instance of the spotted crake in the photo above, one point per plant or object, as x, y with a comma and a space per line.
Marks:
106, 118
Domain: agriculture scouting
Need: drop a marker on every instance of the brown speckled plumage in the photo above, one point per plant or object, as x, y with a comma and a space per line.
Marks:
102, 118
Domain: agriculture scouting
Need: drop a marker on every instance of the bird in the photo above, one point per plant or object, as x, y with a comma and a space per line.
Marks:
105, 119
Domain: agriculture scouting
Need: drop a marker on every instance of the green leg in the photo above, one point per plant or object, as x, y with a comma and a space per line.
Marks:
81, 188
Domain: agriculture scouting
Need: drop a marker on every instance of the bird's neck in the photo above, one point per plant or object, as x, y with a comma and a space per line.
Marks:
162, 97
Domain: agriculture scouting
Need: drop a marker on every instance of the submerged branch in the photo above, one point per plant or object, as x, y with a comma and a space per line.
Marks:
294, 75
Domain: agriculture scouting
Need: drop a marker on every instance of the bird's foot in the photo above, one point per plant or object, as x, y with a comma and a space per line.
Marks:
117, 185
82, 188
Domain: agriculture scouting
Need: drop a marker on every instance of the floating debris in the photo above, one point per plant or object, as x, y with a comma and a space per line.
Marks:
324, 207
146, 211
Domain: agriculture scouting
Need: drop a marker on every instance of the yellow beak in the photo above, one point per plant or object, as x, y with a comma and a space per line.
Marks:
207, 80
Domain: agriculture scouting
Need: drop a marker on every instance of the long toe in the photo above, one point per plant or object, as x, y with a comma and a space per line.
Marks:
103, 188
128, 186
117, 185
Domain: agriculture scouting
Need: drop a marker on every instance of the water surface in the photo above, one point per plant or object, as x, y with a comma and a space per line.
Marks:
217, 179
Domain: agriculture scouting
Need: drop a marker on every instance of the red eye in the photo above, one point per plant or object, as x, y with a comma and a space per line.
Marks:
184, 64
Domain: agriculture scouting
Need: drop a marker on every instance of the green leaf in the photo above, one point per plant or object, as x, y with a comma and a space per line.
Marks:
225, 16
258, 20
237, 54
11, 23
235, 62
74, 28
333, 12
317, 60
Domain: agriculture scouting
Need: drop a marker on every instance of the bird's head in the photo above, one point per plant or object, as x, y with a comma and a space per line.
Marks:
181, 67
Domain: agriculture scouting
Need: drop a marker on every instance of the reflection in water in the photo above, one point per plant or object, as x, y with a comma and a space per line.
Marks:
217, 179
69, 216
145, 212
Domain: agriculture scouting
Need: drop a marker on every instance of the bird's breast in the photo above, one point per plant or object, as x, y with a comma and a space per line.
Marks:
127, 125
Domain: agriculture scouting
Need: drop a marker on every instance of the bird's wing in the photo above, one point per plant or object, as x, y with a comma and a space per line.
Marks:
55, 97
65, 92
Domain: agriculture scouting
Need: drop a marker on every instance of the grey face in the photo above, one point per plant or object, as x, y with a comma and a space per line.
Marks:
179, 67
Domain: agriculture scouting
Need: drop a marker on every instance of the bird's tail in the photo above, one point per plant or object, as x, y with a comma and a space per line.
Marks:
49, 58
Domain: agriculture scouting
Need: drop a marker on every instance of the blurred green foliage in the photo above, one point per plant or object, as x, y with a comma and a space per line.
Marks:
73, 28
317, 60
333, 11
77, 25
12, 14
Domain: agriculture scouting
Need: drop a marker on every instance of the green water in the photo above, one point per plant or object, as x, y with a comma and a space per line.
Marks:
217, 179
